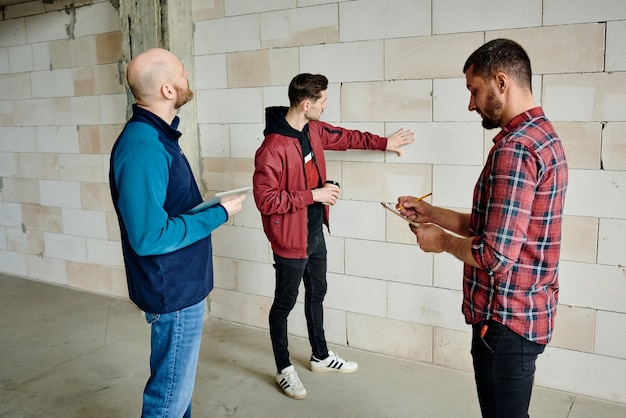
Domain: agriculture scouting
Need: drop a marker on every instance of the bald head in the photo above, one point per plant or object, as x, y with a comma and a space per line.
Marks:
158, 80
148, 71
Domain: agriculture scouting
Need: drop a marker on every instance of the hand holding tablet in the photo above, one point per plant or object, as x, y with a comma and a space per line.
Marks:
218, 198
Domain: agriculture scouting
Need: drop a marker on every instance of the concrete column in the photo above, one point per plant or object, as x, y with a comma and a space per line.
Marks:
164, 24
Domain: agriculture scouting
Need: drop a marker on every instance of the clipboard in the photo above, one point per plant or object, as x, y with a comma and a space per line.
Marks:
395, 212
218, 198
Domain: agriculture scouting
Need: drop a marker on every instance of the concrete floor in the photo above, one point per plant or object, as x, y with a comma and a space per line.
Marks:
66, 353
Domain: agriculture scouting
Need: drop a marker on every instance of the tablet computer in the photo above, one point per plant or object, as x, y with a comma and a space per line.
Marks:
220, 197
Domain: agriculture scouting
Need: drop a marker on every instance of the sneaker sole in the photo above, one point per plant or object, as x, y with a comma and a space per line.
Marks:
330, 369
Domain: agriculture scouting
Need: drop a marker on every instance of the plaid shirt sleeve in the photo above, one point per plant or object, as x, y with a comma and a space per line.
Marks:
516, 221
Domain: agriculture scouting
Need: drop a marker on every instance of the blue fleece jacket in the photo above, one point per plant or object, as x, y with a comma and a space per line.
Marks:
167, 253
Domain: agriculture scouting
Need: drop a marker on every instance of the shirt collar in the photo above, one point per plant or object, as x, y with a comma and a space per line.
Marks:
517, 121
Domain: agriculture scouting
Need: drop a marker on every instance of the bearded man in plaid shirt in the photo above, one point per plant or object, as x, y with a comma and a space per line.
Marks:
510, 243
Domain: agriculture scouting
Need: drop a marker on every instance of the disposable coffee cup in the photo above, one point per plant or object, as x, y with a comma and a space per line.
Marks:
331, 183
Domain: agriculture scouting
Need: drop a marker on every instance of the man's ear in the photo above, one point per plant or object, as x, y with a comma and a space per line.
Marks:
168, 91
502, 82
306, 104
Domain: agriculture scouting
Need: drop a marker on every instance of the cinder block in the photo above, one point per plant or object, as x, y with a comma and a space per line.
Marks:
582, 373
451, 101
205, 10
16, 86
300, 26
245, 139
47, 269
393, 338
361, 61
42, 218
434, 143
615, 49
585, 97
336, 253
8, 164
211, 72
394, 19
214, 140
451, 16
64, 194
372, 293
387, 101
388, 262
61, 139
38, 166
229, 34
560, 12
612, 242
13, 263
65, 247
560, 49
225, 273
593, 286
451, 349
84, 223
81, 167
240, 243
239, 307
24, 241
453, 186
582, 143
411, 58
12, 32
94, 19
574, 328
20, 190
230, 106
596, 193
35, 112
426, 305
614, 146
262, 68
107, 77
378, 182
448, 271
20, 58
579, 239
104, 252
47, 27
611, 334
369, 224
255, 278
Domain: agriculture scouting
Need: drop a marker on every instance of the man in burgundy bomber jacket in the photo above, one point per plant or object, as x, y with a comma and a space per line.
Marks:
291, 192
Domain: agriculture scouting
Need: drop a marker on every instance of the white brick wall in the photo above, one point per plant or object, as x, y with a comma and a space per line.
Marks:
391, 65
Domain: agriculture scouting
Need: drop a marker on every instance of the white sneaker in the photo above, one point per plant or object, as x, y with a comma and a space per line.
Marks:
290, 383
333, 363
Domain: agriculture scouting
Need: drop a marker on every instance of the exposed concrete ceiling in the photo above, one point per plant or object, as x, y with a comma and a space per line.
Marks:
12, 2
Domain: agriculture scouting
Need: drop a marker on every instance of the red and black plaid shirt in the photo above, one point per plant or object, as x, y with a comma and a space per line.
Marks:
516, 219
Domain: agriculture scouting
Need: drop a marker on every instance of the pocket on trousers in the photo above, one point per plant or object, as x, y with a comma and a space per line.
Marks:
152, 317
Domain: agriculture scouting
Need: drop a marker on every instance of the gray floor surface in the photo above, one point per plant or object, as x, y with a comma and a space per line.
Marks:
66, 353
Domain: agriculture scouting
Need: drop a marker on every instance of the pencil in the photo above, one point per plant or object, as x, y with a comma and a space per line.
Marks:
417, 200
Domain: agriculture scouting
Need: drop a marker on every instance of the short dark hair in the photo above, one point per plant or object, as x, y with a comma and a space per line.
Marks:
501, 55
306, 86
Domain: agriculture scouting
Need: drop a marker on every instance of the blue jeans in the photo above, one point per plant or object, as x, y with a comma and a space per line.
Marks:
175, 345
289, 273
504, 370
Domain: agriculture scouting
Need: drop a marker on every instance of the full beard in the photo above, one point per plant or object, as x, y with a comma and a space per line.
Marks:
184, 96
492, 115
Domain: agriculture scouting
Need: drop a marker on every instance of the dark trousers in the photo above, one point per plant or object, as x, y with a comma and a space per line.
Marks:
289, 273
504, 370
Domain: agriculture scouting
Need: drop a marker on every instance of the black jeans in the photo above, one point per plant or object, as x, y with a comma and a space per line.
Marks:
289, 272
504, 370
